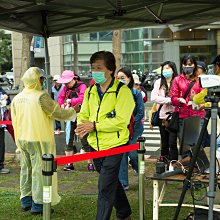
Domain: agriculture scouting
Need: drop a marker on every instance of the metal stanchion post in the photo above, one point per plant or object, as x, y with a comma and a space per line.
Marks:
48, 169
141, 176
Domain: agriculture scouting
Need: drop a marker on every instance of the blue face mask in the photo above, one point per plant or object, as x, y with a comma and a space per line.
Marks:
167, 73
99, 77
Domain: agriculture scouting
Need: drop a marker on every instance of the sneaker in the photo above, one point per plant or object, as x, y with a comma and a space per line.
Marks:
26, 203
91, 167
82, 151
69, 167
57, 131
4, 171
126, 188
163, 159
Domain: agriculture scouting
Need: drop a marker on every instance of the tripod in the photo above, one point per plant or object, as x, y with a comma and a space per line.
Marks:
210, 113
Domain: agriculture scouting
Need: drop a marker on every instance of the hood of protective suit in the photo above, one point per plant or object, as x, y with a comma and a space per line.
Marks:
31, 78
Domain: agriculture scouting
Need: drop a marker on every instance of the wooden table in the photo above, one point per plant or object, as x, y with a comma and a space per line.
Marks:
159, 194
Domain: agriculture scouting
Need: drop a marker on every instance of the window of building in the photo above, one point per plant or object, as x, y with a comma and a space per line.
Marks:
84, 37
67, 48
161, 33
67, 38
93, 36
105, 36
205, 53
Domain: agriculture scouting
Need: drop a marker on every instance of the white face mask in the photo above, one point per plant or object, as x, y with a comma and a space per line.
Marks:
126, 82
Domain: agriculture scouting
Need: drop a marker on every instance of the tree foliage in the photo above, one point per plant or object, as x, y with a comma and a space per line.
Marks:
5, 51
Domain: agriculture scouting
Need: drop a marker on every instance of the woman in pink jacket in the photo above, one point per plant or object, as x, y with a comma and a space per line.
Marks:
72, 95
161, 95
179, 88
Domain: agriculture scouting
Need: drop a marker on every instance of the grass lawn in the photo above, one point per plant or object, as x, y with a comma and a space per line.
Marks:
78, 190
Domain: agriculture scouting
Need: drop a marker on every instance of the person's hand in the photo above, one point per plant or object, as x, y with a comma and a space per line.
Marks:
199, 107
189, 103
77, 107
182, 100
84, 128
5, 97
68, 101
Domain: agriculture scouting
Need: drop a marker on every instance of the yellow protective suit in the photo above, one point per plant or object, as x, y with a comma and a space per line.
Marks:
33, 113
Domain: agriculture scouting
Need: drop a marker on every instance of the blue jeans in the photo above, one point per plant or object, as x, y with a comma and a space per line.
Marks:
218, 142
28, 202
123, 172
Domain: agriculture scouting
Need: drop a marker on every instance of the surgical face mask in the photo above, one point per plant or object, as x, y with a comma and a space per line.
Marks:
99, 77
126, 82
167, 73
188, 70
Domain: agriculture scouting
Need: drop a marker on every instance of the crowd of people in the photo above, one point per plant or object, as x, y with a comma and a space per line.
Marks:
100, 117
180, 93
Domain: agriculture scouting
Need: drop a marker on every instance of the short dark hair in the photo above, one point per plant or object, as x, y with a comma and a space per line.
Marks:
128, 73
108, 57
216, 61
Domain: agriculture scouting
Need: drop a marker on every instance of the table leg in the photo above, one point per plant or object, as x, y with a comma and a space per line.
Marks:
155, 199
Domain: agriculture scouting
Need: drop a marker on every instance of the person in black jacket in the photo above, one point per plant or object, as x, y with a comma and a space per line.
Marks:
4, 102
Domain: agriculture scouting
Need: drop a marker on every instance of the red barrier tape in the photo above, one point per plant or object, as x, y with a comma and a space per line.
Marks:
96, 154
5, 123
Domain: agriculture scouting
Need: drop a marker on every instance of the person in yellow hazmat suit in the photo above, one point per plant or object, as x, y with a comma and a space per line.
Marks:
33, 113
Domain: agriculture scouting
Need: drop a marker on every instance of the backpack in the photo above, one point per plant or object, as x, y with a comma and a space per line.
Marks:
73, 92
132, 121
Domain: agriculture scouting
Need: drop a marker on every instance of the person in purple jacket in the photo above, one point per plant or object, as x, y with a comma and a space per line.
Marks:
72, 95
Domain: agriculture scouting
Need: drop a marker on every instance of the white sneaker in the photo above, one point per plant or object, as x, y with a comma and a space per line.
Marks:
4, 171
82, 151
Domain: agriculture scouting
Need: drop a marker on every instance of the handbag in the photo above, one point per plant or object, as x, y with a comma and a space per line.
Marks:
174, 121
155, 117
173, 125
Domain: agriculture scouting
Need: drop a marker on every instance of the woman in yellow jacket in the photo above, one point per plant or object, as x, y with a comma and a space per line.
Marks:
105, 115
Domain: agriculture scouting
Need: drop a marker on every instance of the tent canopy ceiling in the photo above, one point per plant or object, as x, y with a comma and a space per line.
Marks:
56, 17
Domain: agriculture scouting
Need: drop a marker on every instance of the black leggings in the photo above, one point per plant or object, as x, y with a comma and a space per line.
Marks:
168, 143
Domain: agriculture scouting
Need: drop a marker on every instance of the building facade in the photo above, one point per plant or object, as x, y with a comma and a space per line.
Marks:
143, 49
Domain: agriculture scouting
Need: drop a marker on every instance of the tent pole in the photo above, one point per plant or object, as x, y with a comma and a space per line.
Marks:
47, 66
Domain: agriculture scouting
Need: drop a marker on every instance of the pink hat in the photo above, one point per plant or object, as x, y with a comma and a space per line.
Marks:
66, 77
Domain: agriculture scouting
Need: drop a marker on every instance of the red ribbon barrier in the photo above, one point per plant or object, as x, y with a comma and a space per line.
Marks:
5, 123
96, 154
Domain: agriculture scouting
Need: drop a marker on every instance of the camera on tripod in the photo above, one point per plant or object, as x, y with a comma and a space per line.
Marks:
209, 81
212, 83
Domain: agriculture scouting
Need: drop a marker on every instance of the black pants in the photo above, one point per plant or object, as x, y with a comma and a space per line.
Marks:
110, 191
71, 146
168, 143
2, 147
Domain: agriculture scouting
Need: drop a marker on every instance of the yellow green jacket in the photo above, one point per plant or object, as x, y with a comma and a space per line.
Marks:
110, 132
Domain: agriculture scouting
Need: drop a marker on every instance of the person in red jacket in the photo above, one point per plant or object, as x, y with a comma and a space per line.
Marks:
179, 87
